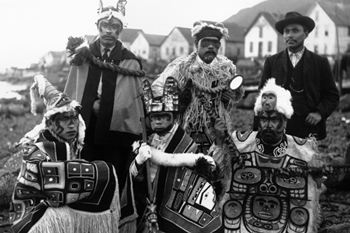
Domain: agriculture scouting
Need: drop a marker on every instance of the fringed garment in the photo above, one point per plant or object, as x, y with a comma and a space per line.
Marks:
208, 81
57, 194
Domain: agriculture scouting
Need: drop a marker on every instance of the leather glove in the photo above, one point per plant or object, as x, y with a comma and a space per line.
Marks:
144, 154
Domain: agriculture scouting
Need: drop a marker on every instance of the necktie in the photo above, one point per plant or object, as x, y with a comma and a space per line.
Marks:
105, 54
294, 58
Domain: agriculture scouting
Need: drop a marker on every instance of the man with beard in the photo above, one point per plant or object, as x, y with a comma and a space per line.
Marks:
107, 88
306, 75
182, 198
269, 187
56, 191
203, 76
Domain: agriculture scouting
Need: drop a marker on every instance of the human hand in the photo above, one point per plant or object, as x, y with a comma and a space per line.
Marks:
209, 160
313, 118
144, 154
220, 128
227, 95
96, 107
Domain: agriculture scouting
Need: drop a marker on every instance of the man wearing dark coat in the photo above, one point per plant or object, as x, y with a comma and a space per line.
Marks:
306, 75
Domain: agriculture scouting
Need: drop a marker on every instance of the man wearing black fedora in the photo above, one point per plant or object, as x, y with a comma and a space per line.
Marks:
306, 75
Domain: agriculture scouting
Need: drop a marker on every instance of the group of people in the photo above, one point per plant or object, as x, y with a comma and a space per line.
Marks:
116, 153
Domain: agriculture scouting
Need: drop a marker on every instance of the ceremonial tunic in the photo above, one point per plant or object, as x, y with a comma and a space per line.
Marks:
257, 199
185, 200
56, 194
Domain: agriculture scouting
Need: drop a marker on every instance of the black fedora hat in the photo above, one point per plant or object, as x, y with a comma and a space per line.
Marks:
295, 18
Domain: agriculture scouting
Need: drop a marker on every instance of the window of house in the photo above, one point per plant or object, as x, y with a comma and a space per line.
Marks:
144, 52
316, 49
326, 33
269, 46
238, 51
325, 49
181, 50
167, 51
174, 51
251, 47
260, 32
349, 31
316, 32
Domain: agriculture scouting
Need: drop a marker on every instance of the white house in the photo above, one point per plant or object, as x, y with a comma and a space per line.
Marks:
179, 42
261, 38
332, 22
147, 46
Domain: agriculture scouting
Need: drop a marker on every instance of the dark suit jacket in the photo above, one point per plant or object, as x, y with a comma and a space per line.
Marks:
321, 92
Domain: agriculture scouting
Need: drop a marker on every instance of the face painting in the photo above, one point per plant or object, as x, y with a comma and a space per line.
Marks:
109, 31
271, 126
65, 125
208, 48
161, 122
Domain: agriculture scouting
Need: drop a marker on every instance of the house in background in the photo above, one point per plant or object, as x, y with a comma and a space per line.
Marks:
147, 46
261, 38
128, 35
234, 45
179, 42
332, 22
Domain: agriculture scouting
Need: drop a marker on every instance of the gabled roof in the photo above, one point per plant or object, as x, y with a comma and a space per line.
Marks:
186, 32
338, 12
272, 18
154, 40
245, 16
235, 32
129, 34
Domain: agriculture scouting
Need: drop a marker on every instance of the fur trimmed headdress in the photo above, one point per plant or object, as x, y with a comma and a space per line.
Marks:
203, 29
55, 101
109, 10
283, 99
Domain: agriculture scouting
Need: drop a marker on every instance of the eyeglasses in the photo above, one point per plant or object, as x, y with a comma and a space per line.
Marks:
207, 42
113, 27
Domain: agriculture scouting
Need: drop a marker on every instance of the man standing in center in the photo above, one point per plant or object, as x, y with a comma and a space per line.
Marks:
203, 76
111, 109
306, 75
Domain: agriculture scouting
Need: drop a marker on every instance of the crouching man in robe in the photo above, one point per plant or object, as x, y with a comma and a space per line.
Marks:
56, 191
269, 187
182, 194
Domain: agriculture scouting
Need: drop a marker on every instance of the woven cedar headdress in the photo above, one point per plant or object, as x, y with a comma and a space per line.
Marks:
108, 9
203, 29
168, 102
55, 101
283, 99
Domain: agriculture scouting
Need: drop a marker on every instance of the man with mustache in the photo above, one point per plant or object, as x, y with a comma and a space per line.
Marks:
111, 108
203, 78
267, 184
306, 75
57, 191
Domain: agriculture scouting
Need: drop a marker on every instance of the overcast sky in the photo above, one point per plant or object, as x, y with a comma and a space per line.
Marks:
31, 28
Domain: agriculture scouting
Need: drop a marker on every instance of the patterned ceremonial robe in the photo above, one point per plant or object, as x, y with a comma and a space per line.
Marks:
56, 194
186, 202
258, 200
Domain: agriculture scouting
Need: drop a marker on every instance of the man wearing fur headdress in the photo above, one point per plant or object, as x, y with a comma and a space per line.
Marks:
56, 190
204, 76
268, 187
183, 192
